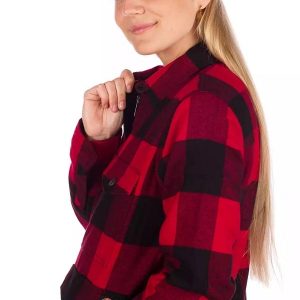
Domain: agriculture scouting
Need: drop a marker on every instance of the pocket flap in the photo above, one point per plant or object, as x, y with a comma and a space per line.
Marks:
120, 177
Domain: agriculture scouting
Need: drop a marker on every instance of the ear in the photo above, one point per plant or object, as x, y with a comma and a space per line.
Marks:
203, 3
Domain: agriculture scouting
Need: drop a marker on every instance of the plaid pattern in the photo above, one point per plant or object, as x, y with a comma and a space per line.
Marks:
167, 202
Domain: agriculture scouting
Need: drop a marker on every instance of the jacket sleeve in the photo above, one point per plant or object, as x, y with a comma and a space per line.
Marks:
88, 160
201, 168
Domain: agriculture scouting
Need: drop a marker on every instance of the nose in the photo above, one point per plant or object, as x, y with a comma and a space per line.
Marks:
130, 7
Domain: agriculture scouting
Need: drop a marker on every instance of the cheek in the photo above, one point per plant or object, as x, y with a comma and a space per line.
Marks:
118, 20
118, 14
181, 26
186, 24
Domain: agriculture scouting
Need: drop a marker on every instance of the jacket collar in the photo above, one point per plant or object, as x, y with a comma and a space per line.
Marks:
165, 81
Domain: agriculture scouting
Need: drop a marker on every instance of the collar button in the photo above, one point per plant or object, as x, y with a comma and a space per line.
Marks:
141, 86
112, 182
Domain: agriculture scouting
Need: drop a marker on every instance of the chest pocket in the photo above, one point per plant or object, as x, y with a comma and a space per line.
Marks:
118, 199
120, 178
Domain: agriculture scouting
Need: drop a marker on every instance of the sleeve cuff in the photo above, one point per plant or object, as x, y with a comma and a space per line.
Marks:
105, 149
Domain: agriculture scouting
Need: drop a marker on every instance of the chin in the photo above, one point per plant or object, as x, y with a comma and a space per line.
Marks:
144, 52
143, 48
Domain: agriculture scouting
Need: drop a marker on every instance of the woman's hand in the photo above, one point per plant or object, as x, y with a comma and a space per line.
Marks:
102, 111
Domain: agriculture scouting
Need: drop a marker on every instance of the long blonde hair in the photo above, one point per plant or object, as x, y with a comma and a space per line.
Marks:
212, 25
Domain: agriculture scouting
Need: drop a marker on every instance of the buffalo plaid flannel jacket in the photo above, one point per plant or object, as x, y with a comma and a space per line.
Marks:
167, 202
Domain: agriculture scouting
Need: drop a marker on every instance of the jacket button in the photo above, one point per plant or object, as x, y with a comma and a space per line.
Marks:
112, 182
141, 86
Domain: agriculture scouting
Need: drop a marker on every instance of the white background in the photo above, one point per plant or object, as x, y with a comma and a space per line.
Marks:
50, 53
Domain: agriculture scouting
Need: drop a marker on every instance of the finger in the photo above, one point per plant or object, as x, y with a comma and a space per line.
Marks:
112, 95
121, 91
129, 79
103, 95
91, 95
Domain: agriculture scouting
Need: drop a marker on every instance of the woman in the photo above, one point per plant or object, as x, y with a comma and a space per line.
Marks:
175, 205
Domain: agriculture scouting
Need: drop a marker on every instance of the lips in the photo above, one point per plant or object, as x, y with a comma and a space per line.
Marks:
141, 27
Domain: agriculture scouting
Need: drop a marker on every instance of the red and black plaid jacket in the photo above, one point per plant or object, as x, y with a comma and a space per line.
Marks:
167, 202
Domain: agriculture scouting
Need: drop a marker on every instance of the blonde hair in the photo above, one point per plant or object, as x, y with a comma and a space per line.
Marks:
213, 27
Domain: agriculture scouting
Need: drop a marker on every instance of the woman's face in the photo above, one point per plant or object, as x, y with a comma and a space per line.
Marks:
172, 33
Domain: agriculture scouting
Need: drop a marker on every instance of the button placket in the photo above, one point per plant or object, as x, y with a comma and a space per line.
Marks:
138, 97
140, 87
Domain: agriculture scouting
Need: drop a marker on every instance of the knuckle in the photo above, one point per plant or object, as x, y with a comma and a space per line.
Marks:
118, 80
101, 86
108, 84
124, 72
86, 92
